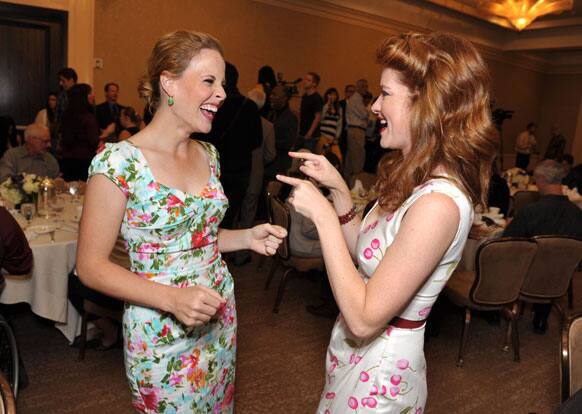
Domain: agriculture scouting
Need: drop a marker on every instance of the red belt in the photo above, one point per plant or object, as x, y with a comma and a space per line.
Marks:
406, 323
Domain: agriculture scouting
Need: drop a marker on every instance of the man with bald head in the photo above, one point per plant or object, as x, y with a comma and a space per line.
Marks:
32, 157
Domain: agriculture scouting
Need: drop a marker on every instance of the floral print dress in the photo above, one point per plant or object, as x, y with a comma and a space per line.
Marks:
387, 374
171, 237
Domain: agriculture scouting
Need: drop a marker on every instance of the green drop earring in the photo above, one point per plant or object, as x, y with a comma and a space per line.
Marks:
170, 101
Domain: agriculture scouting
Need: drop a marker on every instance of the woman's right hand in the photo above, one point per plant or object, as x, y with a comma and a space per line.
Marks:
320, 169
195, 306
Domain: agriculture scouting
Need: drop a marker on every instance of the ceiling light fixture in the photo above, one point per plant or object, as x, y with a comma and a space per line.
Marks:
522, 12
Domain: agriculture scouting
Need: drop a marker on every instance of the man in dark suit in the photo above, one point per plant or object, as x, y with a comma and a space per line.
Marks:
108, 112
552, 214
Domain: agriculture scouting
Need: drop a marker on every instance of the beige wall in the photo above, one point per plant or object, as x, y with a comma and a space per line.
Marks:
253, 34
562, 104
257, 33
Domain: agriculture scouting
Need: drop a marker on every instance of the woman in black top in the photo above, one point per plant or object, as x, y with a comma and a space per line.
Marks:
130, 121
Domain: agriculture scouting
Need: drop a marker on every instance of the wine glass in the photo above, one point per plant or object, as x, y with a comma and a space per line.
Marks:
74, 190
27, 210
57, 203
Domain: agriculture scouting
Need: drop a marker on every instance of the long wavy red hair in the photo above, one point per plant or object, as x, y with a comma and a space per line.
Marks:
450, 120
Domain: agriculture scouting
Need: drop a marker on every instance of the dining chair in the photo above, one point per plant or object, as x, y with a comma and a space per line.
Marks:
551, 271
9, 356
7, 400
571, 355
522, 198
500, 268
283, 258
273, 189
120, 257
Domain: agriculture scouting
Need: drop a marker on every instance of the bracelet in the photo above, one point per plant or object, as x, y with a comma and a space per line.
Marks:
349, 216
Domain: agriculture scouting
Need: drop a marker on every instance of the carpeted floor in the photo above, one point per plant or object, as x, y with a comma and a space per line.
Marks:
280, 366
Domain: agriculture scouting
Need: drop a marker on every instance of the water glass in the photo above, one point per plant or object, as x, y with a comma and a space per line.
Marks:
27, 210
74, 190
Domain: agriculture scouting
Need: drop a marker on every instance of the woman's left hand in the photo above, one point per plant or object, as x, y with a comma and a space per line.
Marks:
266, 238
306, 198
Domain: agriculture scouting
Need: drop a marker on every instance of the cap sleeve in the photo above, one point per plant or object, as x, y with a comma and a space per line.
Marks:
115, 163
213, 157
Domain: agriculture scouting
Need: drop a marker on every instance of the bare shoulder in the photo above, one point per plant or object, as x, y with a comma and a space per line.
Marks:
435, 208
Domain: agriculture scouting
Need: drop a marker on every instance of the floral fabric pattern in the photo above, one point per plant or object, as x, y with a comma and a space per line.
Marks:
171, 238
387, 373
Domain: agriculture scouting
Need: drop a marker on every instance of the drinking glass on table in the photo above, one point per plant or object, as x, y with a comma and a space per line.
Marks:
27, 210
57, 203
74, 190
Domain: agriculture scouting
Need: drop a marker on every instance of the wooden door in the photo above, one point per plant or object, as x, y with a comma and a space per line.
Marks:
32, 50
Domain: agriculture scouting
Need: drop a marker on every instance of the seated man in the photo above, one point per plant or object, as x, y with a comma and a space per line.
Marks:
552, 214
32, 157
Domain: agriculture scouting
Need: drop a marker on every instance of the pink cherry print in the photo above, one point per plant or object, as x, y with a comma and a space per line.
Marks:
352, 403
389, 216
418, 410
394, 391
368, 253
374, 224
375, 244
352, 358
364, 401
357, 359
424, 311
384, 390
389, 330
402, 364
330, 395
364, 376
395, 379
372, 402
374, 390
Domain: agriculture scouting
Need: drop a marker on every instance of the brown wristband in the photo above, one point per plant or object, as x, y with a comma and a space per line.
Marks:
349, 216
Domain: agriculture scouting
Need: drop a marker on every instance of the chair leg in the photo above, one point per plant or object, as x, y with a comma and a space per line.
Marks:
515, 339
510, 314
271, 273
513, 331
281, 289
83, 341
464, 335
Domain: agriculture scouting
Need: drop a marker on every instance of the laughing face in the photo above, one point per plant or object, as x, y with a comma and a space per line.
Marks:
393, 110
198, 93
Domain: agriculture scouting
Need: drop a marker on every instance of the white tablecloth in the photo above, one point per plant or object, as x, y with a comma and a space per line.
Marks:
46, 289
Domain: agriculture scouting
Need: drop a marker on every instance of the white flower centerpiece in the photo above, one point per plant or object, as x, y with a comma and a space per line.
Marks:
20, 188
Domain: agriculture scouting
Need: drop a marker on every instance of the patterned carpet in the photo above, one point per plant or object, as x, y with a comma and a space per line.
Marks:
280, 365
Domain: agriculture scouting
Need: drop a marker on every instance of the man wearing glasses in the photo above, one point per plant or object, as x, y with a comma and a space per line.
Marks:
31, 158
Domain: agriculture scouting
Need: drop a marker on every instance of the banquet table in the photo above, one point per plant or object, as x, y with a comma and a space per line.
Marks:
47, 287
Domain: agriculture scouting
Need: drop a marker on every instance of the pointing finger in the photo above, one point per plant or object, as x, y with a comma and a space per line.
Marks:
289, 180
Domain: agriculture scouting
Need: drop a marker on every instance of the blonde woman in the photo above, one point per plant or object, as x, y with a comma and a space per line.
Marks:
162, 190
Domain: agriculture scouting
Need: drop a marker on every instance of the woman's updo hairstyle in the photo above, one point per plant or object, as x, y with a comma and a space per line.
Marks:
173, 53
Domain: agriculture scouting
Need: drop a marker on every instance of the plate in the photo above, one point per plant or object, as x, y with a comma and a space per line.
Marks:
42, 229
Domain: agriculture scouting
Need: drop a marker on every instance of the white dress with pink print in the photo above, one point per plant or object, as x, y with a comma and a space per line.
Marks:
387, 374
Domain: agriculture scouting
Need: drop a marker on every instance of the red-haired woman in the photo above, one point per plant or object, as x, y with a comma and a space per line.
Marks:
434, 109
